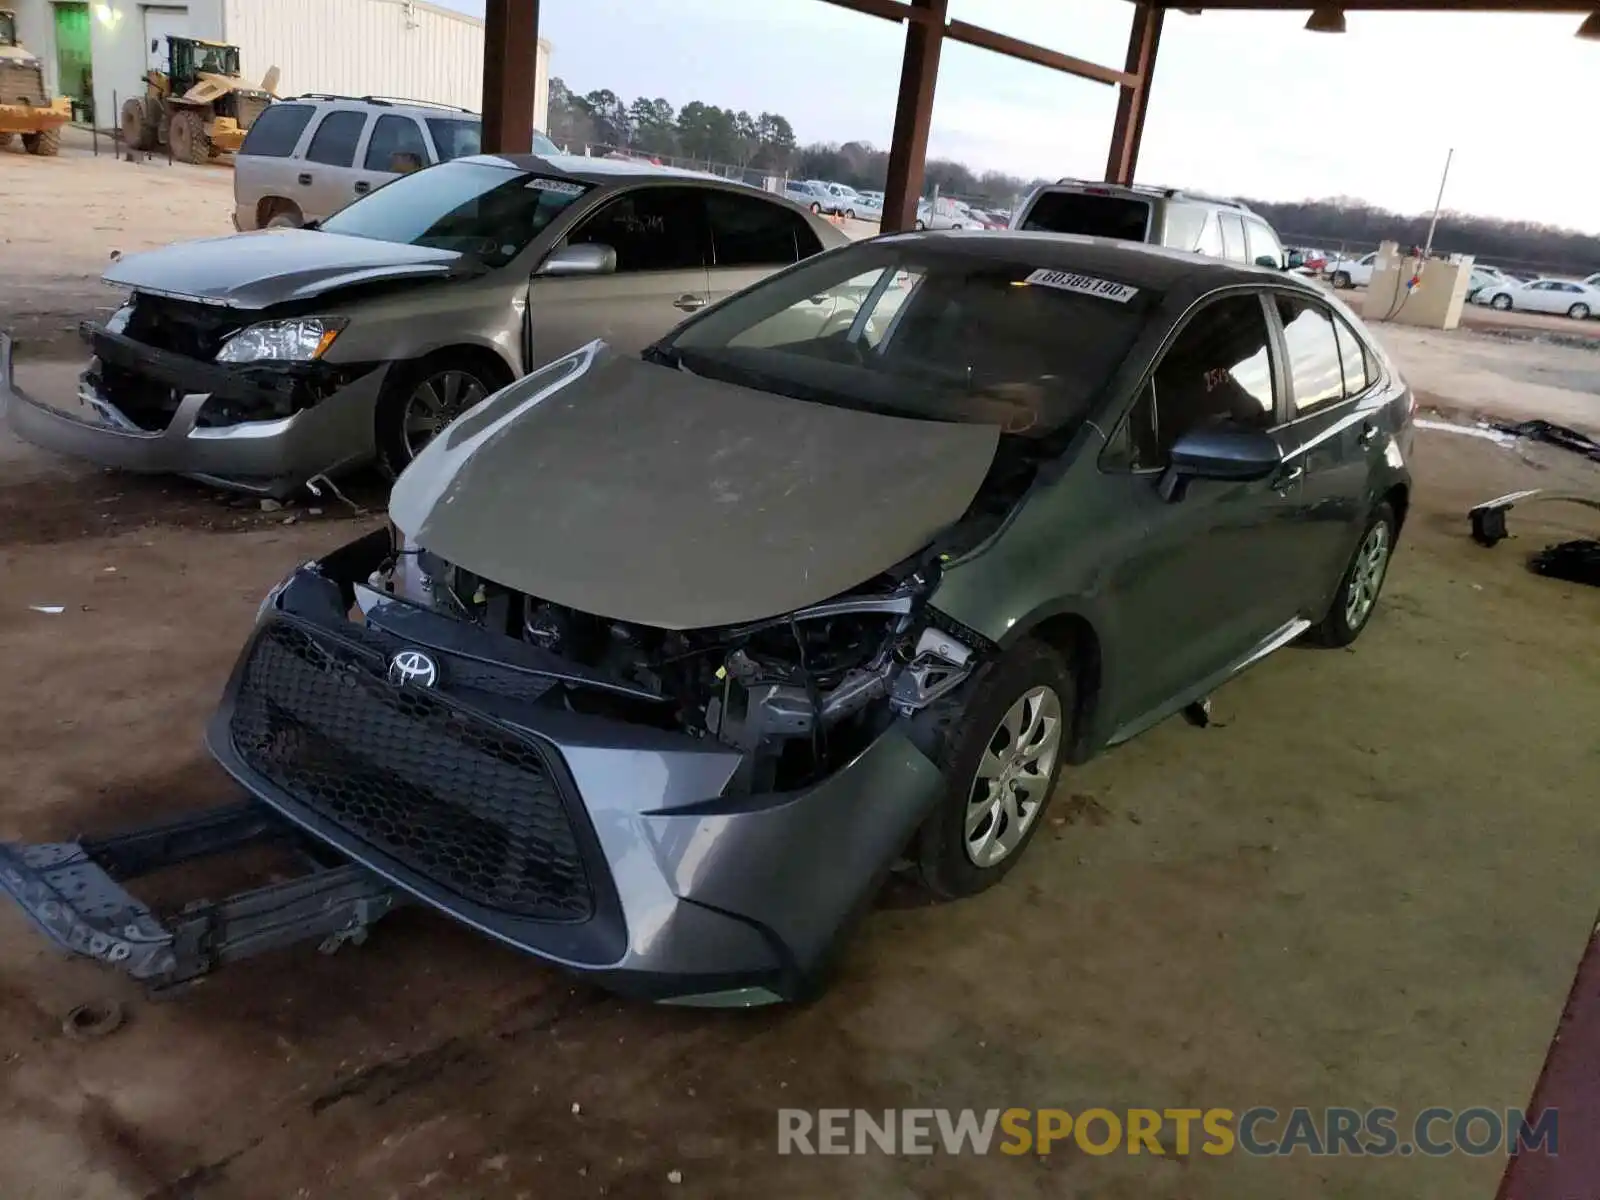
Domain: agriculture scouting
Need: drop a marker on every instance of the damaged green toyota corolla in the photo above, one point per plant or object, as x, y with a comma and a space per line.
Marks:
666, 661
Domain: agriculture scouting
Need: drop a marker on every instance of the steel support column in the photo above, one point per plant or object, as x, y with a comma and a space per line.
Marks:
510, 51
1134, 98
913, 114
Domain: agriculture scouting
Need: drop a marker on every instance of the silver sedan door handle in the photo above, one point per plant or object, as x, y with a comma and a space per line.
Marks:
689, 302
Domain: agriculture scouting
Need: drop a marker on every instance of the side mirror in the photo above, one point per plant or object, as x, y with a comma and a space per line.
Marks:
586, 258
1267, 261
1231, 452
154, 45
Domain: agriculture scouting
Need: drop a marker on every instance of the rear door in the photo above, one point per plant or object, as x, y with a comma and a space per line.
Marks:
663, 247
327, 178
1328, 442
1233, 241
751, 237
265, 168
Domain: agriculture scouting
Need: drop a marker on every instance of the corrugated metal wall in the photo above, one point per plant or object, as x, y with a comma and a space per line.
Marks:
361, 48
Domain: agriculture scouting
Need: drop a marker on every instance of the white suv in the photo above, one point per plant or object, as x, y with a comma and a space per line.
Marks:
305, 158
1162, 216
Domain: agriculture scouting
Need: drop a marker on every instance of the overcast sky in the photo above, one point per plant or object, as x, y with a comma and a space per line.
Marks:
1244, 103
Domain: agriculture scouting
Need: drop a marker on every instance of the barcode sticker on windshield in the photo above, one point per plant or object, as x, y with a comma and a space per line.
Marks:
1084, 285
540, 184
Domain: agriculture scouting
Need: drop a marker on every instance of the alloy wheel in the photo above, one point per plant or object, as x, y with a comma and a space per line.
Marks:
434, 403
1366, 577
1579, 312
1009, 786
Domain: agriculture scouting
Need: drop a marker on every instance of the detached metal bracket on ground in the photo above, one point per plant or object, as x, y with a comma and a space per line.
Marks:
73, 891
1489, 518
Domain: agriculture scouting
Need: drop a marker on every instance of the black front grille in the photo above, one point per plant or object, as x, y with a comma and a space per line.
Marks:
182, 326
458, 800
148, 403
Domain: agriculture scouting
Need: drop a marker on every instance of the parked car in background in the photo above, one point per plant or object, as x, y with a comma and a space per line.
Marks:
945, 213
1161, 216
843, 200
1566, 297
581, 700
307, 157
1486, 277
1593, 280
261, 360
1305, 258
809, 193
1352, 272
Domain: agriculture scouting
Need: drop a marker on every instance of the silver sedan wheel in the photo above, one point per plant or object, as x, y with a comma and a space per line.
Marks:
1012, 778
436, 401
1366, 579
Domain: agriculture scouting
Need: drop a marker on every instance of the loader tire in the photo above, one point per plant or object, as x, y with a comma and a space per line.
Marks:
5, 140
187, 137
135, 129
46, 143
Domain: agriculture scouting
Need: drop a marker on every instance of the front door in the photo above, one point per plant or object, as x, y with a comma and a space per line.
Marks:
660, 236
325, 180
1215, 573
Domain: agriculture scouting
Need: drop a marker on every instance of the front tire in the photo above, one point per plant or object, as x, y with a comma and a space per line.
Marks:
5, 140
419, 402
816, 208
1501, 303
46, 143
1001, 760
187, 137
1342, 280
1361, 584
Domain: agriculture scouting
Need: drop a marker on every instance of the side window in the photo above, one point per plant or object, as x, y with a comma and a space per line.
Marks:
1218, 370
334, 143
1313, 354
1262, 244
1232, 236
395, 137
1185, 225
1353, 355
277, 130
652, 229
747, 231
1211, 237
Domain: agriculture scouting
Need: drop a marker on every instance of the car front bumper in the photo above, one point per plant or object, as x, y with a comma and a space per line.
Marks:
266, 457
645, 871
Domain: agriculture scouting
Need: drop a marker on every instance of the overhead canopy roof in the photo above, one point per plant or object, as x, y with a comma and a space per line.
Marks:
511, 32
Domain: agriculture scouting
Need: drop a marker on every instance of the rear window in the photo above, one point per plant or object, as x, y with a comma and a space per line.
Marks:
277, 130
1122, 217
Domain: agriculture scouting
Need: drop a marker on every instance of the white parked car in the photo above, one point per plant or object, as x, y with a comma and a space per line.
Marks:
946, 214
1568, 297
845, 201
1352, 272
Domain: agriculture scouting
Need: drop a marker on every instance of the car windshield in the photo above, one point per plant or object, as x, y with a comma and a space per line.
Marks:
922, 331
482, 209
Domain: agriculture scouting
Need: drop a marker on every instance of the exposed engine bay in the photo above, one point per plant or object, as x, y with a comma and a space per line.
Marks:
800, 694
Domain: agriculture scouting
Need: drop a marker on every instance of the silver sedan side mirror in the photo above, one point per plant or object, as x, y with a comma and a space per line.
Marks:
586, 258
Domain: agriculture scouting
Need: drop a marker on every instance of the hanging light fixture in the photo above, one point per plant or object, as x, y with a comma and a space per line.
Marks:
1589, 31
1326, 19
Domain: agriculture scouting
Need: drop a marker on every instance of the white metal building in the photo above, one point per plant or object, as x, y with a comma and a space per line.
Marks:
400, 48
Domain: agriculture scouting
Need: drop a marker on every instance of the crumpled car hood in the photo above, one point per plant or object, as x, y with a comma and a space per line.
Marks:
641, 493
255, 270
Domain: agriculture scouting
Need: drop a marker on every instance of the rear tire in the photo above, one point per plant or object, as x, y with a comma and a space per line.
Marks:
816, 208
1361, 584
1579, 312
5, 140
1341, 280
46, 143
1501, 303
135, 126
419, 399
1001, 761
187, 137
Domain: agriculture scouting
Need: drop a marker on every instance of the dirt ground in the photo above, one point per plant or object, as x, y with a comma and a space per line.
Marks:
1367, 883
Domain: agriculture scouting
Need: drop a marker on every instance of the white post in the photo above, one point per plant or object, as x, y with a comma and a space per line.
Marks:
1437, 205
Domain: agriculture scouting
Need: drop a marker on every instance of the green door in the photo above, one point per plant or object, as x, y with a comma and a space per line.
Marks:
72, 55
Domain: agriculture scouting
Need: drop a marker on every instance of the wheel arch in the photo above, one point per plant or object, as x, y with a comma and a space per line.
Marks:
1398, 498
270, 206
1074, 636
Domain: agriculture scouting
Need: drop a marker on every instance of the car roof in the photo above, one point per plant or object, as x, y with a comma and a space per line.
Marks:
1139, 264
593, 170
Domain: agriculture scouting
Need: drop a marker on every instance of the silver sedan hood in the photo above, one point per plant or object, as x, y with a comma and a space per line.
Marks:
255, 270
641, 493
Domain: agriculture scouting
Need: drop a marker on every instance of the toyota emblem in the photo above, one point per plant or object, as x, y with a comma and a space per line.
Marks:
413, 668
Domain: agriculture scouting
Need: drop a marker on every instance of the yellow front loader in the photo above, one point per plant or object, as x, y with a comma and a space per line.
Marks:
25, 108
199, 106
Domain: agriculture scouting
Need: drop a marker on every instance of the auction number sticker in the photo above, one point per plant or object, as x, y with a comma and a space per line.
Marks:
561, 186
1084, 285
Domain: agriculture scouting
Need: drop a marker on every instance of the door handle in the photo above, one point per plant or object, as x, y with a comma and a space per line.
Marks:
362, 187
689, 302
1368, 434
305, 177
1287, 477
